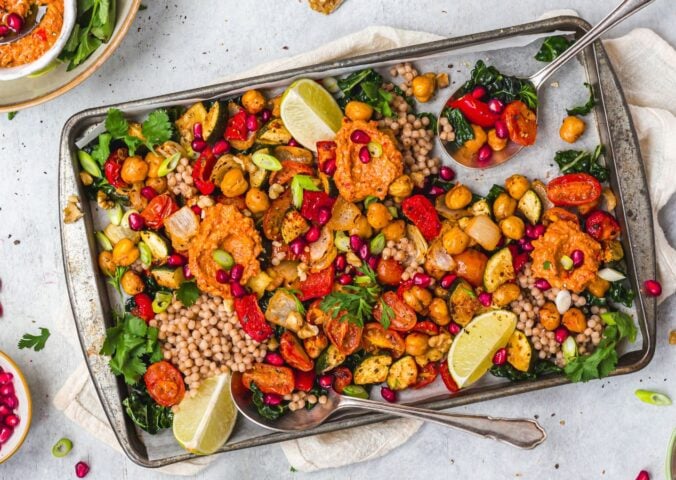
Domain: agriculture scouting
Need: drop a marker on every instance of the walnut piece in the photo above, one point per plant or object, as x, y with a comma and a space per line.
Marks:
325, 6
72, 212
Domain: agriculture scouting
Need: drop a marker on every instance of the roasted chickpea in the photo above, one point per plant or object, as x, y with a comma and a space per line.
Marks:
234, 184
504, 206
394, 230
513, 227
506, 294
571, 129
423, 87
159, 184
355, 110
458, 197
106, 263
401, 186
134, 169
275, 105
472, 146
154, 161
378, 215
131, 283
125, 253
574, 320
439, 312
416, 343
253, 101
257, 200
517, 185
455, 241
495, 142
361, 227
418, 299
550, 318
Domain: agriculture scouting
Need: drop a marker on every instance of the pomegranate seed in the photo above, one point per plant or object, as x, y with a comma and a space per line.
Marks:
341, 263
7, 389
360, 136
136, 222
297, 246
274, 358
388, 394
293, 143
364, 155
266, 115
313, 234
422, 280
4, 30
529, 231
560, 334
485, 153
501, 130
454, 328
500, 357
538, 230
148, 193
5, 433
323, 216
12, 420
272, 399
520, 261
653, 288
222, 276
448, 280
329, 167
81, 469
236, 272
356, 242
198, 145
446, 173
197, 130
542, 284
643, 475
495, 105
345, 279
6, 377
435, 191
197, 209
14, 22
4, 410
176, 260
485, 299
527, 246
221, 147
363, 252
578, 258
373, 262
186, 272
251, 123
479, 92
325, 381
237, 290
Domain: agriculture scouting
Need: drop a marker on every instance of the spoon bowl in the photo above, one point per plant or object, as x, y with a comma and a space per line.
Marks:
31, 21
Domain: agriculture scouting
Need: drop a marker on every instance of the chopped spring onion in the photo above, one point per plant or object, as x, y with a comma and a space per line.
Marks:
62, 447
115, 214
377, 244
369, 200
223, 258
299, 183
169, 165
331, 84
611, 275
145, 254
653, 398
355, 391
266, 161
104, 241
375, 149
566, 262
569, 349
393, 211
162, 301
342, 242
89, 165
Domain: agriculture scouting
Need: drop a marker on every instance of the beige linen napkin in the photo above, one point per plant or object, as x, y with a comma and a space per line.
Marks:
637, 55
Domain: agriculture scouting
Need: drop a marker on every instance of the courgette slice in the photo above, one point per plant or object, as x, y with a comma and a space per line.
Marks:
214, 123
530, 206
158, 246
329, 359
294, 154
372, 369
481, 207
463, 302
197, 113
499, 270
273, 133
403, 373
519, 351
168, 277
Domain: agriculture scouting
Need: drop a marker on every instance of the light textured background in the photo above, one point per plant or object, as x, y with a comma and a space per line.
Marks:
595, 431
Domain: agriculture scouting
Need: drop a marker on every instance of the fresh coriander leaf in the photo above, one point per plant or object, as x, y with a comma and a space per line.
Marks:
116, 124
11, 115
188, 293
36, 342
387, 314
625, 324
583, 110
552, 47
101, 151
88, 44
142, 7
132, 143
156, 128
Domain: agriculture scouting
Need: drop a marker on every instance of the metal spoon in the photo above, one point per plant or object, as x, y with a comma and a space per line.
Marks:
619, 14
31, 21
521, 433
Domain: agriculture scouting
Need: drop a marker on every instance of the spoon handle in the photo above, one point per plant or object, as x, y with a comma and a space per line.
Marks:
521, 433
619, 14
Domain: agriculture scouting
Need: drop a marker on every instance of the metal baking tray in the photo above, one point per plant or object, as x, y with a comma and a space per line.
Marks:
610, 124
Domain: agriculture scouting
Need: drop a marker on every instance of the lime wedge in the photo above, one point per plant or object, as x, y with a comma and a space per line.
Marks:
310, 113
472, 350
203, 422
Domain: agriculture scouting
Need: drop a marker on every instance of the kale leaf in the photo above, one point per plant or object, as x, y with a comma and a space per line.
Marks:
461, 127
620, 294
366, 86
493, 193
583, 110
579, 161
500, 86
144, 412
552, 47
541, 368
271, 412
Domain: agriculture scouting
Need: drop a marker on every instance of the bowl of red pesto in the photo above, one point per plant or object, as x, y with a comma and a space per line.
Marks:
43, 42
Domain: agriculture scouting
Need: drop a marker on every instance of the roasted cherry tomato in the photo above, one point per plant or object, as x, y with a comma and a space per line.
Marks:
389, 271
317, 284
313, 202
573, 189
602, 226
315, 315
447, 378
201, 172
346, 336
403, 287
342, 377
521, 123
293, 352
303, 381
426, 375
236, 127
112, 168
421, 212
270, 379
403, 317
427, 326
143, 307
476, 111
164, 383
375, 338
326, 150
251, 318
290, 168
157, 210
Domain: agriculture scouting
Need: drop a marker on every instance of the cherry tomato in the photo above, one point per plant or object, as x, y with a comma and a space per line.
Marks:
421, 212
251, 318
521, 123
236, 127
293, 352
143, 307
303, 381
403, 287
158, 209
342, 377
427, 326
573, 189
389, 271
375, 338
346, 336
164, 383
447, 378
602, 226
475, 111
270, 379
403, 318
317, 285
426, 375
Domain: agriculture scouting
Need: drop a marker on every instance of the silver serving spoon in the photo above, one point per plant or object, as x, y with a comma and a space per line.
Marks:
619, 14
520, 433
31, 21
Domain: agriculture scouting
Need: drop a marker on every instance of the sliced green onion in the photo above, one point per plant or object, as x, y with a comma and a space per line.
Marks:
223, 258
169, 164
653, 398
299, 183
331, 84
377, 244
611, 275
104, 241
375, 149
393, 211
355, 391
342, 242
162, 301
362, 280
266, 161
62, 447
369, 200
145, 254
566, 262
115, 214
569, 349
89, 165
125, 217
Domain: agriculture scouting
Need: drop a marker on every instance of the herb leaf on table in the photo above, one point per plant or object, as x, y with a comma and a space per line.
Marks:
583, 110
36, 342
552, 47
579, 161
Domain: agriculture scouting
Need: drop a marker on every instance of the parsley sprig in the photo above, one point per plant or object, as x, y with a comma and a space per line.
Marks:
355, 303
36, 342
116, 277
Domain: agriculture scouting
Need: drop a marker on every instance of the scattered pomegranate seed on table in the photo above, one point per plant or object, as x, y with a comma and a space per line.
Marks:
653, 288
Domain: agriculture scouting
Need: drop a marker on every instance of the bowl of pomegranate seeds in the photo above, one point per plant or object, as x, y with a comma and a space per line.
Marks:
15, 407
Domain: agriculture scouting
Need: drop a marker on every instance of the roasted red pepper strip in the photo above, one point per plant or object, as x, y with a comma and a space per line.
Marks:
427, 326
159, 208
201, 172
313, 202
316, 285
236, 127
602, 226
419, 210
303, 381
447, 378
426, 375
293, 352
475, 111
144, 307
251, 318
404, 286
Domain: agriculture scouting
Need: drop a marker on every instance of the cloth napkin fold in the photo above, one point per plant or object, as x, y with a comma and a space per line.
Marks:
646, 66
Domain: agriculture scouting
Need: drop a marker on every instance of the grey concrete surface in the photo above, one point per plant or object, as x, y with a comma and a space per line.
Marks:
596, 431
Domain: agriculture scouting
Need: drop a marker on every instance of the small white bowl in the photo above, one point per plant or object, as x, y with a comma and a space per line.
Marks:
25, 411
69, 14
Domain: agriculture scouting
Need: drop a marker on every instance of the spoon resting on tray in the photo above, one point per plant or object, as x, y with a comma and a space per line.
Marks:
24, 26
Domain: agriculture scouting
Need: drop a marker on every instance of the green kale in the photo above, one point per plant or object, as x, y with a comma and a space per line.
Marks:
433, 120
582, 110
620, 294
144, 412
366, 86
271, 412
541, 368
461, 127
579, 161
552, 47
503, 87
493, 193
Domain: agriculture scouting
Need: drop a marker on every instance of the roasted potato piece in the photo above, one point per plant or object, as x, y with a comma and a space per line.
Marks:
403, 373
372, 370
